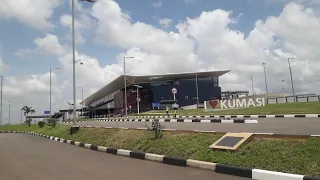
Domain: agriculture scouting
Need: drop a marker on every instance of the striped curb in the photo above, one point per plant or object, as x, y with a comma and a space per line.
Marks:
258, 174
234, 116
247, 121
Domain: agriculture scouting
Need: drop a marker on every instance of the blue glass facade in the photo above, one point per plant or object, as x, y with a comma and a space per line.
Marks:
155, 92
208, 88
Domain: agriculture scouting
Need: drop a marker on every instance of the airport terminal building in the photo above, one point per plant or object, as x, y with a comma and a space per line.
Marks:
154, 89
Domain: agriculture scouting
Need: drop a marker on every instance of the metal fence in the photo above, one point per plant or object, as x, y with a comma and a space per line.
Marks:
292, 99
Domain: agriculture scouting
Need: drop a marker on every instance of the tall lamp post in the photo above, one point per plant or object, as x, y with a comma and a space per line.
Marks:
1, 100
125, 83
291, 76
265, 76
74, 63
138, 97
9, 111
251, 77
51, 91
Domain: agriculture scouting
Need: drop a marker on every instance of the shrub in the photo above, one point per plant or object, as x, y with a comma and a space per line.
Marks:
156, 128
28, 121
52, 122
41, 124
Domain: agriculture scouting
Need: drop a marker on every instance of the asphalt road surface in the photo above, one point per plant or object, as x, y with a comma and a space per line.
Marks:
29, 157
295, 126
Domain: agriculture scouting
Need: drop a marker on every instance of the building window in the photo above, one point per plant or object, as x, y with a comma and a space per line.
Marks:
186, 97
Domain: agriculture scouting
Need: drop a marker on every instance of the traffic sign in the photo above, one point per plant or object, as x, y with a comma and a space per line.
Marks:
174, 91
157, 105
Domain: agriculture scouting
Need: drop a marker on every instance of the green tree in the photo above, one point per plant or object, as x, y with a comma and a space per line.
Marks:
28, 110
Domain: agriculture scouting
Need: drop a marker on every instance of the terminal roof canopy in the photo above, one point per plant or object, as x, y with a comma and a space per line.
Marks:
118, 83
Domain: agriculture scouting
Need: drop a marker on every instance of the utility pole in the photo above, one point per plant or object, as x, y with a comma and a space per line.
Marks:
9, 111
265, 76
291, 76
1, 100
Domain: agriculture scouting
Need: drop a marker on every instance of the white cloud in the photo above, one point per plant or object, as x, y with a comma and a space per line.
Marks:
48, 44
157, 4
81, 24
31, 90
202, 43
207, 43
165, 22
35, 13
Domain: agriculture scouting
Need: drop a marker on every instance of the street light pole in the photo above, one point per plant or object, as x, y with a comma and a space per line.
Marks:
265, 76
125, 83
50, 93
82, 103
138, 98
252, 85
9, 111
74, 63
138, 103
74, 67
1, 100
291, 76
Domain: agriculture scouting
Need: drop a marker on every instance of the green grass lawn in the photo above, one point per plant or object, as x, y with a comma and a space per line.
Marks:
289, 108
291, 156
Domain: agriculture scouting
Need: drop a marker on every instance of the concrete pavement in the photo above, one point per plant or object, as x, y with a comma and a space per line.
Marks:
29, 157
294, 126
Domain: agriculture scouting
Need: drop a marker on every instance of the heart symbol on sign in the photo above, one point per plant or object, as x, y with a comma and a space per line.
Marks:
214, 103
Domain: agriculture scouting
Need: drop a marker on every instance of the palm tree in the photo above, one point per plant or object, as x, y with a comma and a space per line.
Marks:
26, 112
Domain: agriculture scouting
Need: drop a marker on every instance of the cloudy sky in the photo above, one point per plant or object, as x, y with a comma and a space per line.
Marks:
163, 35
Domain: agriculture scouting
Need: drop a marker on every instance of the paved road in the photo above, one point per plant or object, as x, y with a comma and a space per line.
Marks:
297, 126
28, 157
